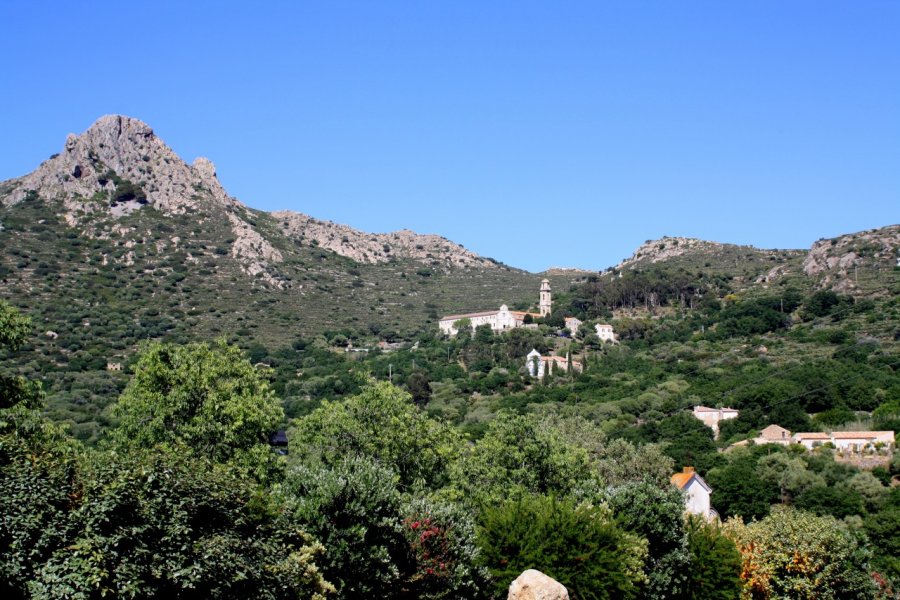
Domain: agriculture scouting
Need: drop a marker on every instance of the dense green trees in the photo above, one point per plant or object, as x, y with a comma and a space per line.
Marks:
381, 423
381, 496
163, 524
209, 399
518, 456
793, 554
715, 571
157, 518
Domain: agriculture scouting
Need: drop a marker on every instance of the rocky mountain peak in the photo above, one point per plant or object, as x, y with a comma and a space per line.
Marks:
117, 165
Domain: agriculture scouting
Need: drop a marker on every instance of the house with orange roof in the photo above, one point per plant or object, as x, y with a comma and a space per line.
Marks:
697, 493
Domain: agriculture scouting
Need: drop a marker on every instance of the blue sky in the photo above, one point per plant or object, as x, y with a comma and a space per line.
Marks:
538, 133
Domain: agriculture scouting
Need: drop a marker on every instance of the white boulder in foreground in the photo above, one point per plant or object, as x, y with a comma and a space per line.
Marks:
534, 585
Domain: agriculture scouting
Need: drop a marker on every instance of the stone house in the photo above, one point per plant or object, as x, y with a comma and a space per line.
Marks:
847, 441
712, 416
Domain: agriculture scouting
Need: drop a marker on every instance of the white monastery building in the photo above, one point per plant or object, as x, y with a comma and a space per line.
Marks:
712, 416
499, 320
697, 493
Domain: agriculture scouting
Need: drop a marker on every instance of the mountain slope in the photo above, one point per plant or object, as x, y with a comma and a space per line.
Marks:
116, 240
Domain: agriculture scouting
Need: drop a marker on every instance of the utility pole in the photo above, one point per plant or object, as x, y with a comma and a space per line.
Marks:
391, 372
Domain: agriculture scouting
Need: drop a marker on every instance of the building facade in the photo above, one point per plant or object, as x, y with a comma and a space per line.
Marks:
712, 416
697, 493
572, 324
538, 365
605, 332
546, 301
498, 320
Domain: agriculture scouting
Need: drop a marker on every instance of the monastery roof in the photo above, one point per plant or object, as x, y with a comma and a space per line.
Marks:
603, 325
846, 435
812, 436
554, 358
486, 313
708, 409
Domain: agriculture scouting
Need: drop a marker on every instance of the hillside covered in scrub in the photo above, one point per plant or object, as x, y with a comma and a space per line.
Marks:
157, 332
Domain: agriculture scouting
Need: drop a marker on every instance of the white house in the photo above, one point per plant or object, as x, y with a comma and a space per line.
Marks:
538, 365
852, 441
712, 416
697, 493
572, 324
605, 332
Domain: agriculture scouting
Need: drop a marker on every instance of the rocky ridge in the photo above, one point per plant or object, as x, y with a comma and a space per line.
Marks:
665, 248
377, 247
119, 167
837, 262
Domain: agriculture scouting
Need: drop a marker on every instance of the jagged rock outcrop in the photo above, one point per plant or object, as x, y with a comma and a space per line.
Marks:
119, 166
377, 247
116, 166
836, 262
534, 585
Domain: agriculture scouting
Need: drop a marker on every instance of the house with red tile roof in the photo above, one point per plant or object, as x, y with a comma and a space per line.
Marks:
697, 493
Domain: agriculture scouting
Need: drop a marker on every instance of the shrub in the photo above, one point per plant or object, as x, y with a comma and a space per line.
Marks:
353, 508
577, 545
445, 554
715, 572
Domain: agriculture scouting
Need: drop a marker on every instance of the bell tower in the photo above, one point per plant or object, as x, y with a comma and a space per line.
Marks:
546, 302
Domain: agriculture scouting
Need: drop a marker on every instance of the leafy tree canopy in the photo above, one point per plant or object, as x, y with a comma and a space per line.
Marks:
208, 398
